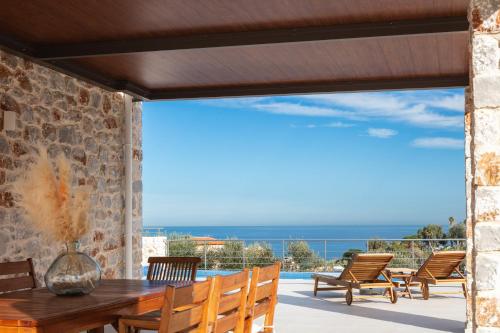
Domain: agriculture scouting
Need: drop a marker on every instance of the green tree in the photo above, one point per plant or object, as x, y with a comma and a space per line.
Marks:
179, 245
431, 231
457, 231
349, 253
230, 256
377, 245
303, 256
182, 248
451, 221
259, 254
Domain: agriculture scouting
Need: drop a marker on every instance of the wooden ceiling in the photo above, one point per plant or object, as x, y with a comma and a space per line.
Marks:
167, 49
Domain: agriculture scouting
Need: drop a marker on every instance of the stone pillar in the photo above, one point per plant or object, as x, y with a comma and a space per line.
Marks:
137, 188
483, 118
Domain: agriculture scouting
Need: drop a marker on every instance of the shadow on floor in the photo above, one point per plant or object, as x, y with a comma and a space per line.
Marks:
405, 318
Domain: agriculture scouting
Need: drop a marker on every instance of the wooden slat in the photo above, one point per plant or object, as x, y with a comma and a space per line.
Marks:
17, 267
173, 268
17, 283
264, 291
185, 319
234, 281
227, 323
441, 264
261, 308
229, 302
268, 273
196, 294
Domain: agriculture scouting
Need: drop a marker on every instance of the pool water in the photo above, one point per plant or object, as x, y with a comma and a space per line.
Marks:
283, 275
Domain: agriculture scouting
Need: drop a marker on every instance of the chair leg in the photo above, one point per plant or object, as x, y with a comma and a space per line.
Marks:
316, 281
464, 288
122, 327
425, 290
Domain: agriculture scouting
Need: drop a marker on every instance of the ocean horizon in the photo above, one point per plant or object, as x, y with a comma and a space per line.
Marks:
345, 237
351, 231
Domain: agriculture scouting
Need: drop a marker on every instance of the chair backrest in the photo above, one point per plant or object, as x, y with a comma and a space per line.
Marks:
366, 266
173, 268
262, 295
17, 275
441, 265
228, 303
186, 309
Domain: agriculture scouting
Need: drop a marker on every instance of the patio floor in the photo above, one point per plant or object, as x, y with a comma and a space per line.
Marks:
299, 311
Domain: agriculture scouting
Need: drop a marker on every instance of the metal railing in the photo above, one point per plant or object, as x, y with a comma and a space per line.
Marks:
303, 254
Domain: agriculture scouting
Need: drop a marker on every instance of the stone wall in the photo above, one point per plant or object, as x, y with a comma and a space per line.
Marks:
86, 124
483, 163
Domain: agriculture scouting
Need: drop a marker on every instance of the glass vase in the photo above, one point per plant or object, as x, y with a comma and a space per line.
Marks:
73, 273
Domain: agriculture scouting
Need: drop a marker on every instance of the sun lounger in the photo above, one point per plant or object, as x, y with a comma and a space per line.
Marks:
441, 268
363, 272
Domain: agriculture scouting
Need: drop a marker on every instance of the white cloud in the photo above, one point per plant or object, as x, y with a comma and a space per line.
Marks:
438, 143
428, 109
293, 109
382, 133
453, 102
339, 124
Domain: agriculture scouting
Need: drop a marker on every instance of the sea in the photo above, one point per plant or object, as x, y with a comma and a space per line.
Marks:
329, 241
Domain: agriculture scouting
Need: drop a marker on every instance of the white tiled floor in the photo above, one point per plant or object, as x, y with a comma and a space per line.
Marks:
300, 312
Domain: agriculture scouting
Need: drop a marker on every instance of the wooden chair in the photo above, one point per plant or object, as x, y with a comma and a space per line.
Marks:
173, 268
439, 269
17, 275
263, 297
363, 272
184, 310
228, 303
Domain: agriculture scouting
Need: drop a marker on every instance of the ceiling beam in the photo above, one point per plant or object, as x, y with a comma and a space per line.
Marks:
248, 38
67, 67
312, 87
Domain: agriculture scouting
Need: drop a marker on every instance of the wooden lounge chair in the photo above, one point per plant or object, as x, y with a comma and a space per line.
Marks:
21, 275
441, 268
184, 309
263, 296
228, 303
363, 272
173, 268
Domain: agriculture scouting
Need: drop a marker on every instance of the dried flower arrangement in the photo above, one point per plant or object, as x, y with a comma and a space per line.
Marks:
50, 202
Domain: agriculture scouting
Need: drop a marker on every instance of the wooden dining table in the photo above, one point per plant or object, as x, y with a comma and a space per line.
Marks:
40, 311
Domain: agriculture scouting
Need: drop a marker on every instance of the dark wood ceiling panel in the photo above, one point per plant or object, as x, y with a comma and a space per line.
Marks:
96, 20
372, 58
214, 48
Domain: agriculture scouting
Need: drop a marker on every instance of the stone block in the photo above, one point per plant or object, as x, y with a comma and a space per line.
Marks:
487, 271
485, 91
487, 204
487, 236
485, 15
488, 311
486, 134
486, 54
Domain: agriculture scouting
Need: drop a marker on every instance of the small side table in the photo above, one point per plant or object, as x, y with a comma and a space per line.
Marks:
404, 274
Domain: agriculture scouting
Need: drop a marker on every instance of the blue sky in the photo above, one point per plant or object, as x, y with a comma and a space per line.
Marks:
357, 158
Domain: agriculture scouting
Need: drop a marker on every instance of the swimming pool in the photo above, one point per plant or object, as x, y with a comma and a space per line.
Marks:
283, 275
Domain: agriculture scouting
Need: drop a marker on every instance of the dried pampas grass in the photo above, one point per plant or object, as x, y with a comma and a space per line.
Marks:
50, 202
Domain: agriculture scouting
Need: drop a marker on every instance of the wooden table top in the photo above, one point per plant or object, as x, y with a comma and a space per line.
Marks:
38, 307
401, 270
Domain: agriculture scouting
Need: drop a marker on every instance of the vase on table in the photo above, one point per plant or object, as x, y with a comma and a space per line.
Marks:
73, 273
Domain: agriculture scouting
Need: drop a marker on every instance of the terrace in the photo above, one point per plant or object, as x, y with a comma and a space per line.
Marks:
299, 311
73, 76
